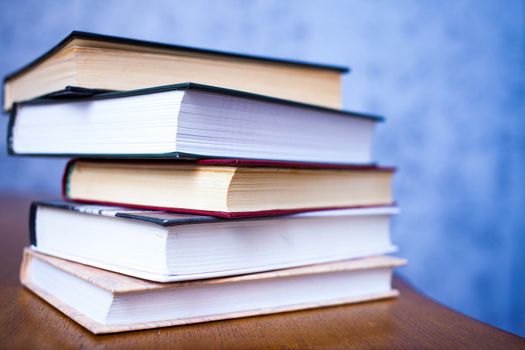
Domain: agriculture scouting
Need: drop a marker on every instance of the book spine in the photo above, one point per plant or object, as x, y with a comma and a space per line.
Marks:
32, 224
10, 127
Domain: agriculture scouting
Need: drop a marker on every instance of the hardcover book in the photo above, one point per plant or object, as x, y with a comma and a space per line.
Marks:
107, 302
218, 189
164, 246
102, 62
190, 121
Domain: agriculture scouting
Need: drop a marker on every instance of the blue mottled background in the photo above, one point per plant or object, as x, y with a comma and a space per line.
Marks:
449, 77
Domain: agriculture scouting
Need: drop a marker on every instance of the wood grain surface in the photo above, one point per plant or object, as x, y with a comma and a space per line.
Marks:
410, 322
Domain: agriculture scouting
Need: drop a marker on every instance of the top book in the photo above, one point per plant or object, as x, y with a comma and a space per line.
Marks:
101, 62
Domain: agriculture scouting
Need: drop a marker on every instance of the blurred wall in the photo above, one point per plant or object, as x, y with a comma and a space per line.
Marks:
449, 77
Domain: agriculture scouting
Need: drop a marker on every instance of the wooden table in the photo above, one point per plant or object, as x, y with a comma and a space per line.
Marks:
409, 322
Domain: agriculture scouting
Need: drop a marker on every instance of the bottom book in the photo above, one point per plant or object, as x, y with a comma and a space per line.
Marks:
107, 302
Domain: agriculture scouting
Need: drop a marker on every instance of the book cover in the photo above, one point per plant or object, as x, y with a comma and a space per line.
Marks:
82, 40
76, 34
78, 94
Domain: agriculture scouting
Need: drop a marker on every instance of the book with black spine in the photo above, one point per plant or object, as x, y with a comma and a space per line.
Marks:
190, 121
165, 247
85, 61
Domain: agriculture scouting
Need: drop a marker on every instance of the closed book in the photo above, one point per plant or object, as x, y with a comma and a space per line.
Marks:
107, 302
190, 121
214, 187
162, 246
101, 62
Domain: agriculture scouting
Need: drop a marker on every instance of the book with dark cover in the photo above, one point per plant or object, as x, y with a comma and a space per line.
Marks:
80, 47
238, 102
76, 34
166, 246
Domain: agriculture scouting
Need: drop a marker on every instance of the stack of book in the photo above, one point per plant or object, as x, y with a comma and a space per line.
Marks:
245, 192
